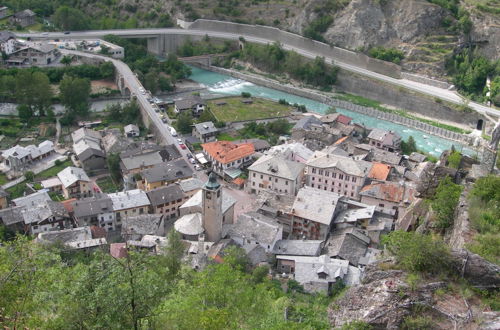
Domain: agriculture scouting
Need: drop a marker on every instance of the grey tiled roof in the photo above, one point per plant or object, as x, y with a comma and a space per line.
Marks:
173, 170
205, 128
349, 244
347, 165
92, 206
254, 226
278, 166
166, 194
298, 247
145, 224
316, 205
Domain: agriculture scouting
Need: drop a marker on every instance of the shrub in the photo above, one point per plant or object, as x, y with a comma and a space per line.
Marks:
418, 252
386, 54
445, 201
454, 159
245, 94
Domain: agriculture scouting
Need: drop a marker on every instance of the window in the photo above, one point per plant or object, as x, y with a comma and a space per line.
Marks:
312, 185
270, 179
286, 183
326, 181
352, 194
312, 178
347, 177
254, 175
320, 172
327, 173
346, 185
276, 180
253, 183
341, 176
353, 179
261, 176
381, 205
141, 211
334, 175
319, 179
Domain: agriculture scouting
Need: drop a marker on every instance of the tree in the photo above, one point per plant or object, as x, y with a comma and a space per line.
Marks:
445, 201
107, 70
33, 89
75, 94
417, 252
151, 82
174, 251
184, 122
66, 60
165, 84
331, 110
454, 159
409, 146
113, 161
68, 18
236, 257
29, 175
24, 112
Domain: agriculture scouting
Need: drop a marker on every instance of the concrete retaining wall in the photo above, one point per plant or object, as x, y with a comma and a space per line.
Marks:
426, 80
266, 32
387, 116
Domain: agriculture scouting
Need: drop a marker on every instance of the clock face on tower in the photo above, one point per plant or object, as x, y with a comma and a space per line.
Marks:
208, 195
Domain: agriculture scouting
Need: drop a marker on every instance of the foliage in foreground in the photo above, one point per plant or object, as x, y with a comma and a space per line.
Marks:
445, 201
48, 287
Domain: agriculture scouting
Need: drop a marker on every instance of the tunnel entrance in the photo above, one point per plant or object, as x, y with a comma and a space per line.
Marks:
479, 125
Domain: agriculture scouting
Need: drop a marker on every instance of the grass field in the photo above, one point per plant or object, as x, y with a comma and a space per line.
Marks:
107, 185
53, 170
235, 110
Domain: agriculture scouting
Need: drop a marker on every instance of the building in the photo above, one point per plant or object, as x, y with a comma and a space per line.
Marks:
23, 18
19, 158
146, 155
299, 247
8, 42
4, 11
227, 157
129, 203
164, 174
349, 244
258, 144
389, 197
75, 183
253, 229
315, 274
204, 214
167, 200
86, 134
276, 174
73, 239
313, 212
296, 152
131, 130
339, 174
379, 172
34, 54
136, 227
52, 185
192, 104
205, 132
87, 148
386, 140
36, 213
95, 211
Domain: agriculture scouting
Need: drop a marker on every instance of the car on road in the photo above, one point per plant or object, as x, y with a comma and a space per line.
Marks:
143, 92
192, 161
67, 32
197, 167
183, 146
189, 156
164, 120
179, 140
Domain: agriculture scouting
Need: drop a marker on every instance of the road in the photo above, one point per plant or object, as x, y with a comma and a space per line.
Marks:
444, 94
135, 85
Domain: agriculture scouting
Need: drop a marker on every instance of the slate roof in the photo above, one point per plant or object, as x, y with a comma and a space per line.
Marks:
196, 201
382, 156
315, 205
349, 243
205, 128
190, 184
166, 194
20, 152
43, 211
33, 199
226, 151
291, 150
144, 224
190, 224
255, 226
141, 160
306, 122
71, 175
129, 199
278, 166
24, 13
114, 143
189, 102
347, 165
6, 35
51, 182
85, 133
131, 128
173, 170
377, 134
12, 215
92, 206
298, 247
65, 235
417, 157
307, 269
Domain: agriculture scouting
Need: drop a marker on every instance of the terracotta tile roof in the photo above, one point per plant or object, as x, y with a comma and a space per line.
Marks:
239, 181
379, 171
343, 119
68, 204
390, 192
339, 141
118, 250
97, 232
226, 152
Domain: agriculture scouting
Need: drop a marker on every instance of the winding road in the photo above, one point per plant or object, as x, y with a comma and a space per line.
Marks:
444, 94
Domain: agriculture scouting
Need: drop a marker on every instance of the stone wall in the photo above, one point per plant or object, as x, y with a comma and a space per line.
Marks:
295, 40
403, 99
462, 138
426, 80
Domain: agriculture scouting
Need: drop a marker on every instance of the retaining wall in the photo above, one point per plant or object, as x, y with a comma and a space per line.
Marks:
295, 40
426, 80
392, 117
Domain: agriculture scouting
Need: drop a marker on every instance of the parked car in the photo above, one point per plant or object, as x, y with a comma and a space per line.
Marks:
183, 146
67, 32
179, 140
189, 156
197, 167
192, 161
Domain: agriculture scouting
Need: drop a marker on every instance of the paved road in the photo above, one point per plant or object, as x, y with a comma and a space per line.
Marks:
134, 85
444, 94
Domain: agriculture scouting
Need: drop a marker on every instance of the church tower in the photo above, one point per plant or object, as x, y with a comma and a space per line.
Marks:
212, 209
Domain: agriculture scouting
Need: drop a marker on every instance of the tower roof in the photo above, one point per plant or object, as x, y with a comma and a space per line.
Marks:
212, 183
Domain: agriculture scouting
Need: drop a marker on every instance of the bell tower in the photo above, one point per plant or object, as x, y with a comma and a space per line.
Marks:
212, 209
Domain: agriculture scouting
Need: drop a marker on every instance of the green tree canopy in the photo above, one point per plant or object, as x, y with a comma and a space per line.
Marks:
69, 18
75, 94
445, 201
33, 89
185, 122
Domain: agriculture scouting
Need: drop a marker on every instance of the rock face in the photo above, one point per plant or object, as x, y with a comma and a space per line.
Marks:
476, 270
365, 23
384, 300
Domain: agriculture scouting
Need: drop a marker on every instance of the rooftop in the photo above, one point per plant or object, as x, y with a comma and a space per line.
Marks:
65, 235
306, 122
141, 160
254, 226
71, 175
205, 128
173, 170
347, 165
291, 151
51, 182
85, 133
278, 166
189, 102
298, 247
33, 199
190, 184
315, 205
349, 243
379, 171
131, 128
144, 224
308, 269
196, 201
98, 204
129, 199
190, 224
166, 194
226, 152
390, 191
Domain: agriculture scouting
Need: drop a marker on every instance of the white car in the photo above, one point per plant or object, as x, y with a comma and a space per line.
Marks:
179, 140
192, 161
197, 167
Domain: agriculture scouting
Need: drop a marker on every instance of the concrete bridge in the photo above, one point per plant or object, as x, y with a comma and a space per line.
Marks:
202, 60
163, 41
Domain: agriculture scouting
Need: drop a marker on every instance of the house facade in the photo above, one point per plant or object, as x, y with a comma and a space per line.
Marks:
34, 54
386, 140
226, 156
95, 211
75, 183
192, 104
338, 174
23, 18
129, 203
205, 132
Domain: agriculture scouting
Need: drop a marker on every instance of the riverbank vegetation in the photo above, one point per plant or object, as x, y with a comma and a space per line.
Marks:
230, 109
50, 285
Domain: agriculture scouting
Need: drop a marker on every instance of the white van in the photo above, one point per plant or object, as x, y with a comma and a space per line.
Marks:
173, 131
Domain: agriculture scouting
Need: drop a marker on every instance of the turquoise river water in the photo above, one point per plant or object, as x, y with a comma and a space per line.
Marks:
225, 85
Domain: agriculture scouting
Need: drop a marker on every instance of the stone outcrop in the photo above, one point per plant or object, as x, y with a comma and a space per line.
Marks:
476, 270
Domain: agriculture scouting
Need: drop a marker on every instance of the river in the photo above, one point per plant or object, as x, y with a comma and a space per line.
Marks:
219, 84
